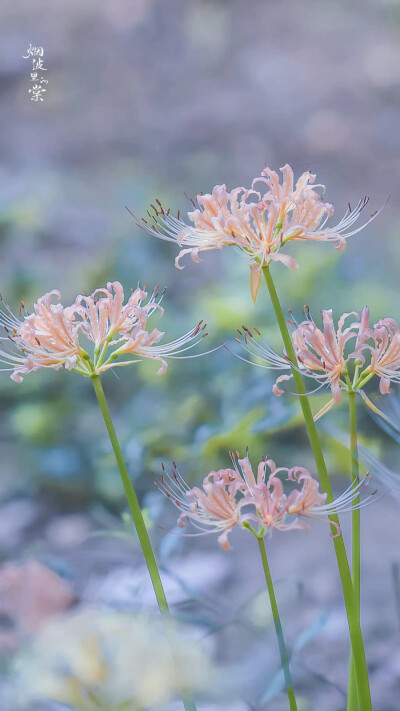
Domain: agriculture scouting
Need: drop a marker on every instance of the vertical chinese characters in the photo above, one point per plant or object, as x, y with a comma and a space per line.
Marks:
39, 82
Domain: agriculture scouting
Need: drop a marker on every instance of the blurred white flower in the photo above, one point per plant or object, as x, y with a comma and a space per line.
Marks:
93, 660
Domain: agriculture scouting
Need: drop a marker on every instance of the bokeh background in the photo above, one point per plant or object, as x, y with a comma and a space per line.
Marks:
154, 99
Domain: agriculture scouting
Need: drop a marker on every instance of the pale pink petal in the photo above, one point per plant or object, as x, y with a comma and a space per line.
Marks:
286, 259
16, 377
255, 280
275, 389
163, 369
224, 542
384, 385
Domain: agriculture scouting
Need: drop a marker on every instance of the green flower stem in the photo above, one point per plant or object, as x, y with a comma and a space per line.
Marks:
362, 380
100, 354
278, 627
136, 512
132, 499
364, 696
352, 700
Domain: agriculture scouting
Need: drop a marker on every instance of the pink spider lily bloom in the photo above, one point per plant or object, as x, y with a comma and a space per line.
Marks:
381, 342
322, 354
214, 508
105, 314
47, 338
52, 335
237, 497
111, 324
273, 505
384, 353
310, 503
258, 222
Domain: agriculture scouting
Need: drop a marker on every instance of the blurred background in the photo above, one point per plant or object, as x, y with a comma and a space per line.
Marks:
149, 99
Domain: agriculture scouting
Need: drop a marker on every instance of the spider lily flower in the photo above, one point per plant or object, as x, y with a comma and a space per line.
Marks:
384, 352
260, 222
273, 505
341, 358
47, 338
271, 502
110, 324
89, 336
321, 353
310, 503
237, 497
212, 509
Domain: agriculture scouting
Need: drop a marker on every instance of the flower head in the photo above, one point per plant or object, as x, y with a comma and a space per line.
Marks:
236, 496
342, 357
259, 220
90, 335
275, 508
47, 338
213, 508
322, 352
383, 344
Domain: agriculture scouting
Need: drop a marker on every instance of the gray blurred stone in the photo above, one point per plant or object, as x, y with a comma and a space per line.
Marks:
68, 531
15, 517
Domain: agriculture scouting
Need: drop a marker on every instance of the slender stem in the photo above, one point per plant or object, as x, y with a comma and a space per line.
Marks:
137, 515
362, 380
357, 644
278, 627
352, 698
132, 499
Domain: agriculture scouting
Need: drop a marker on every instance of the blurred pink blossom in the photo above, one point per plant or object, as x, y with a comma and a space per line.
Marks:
30, 594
